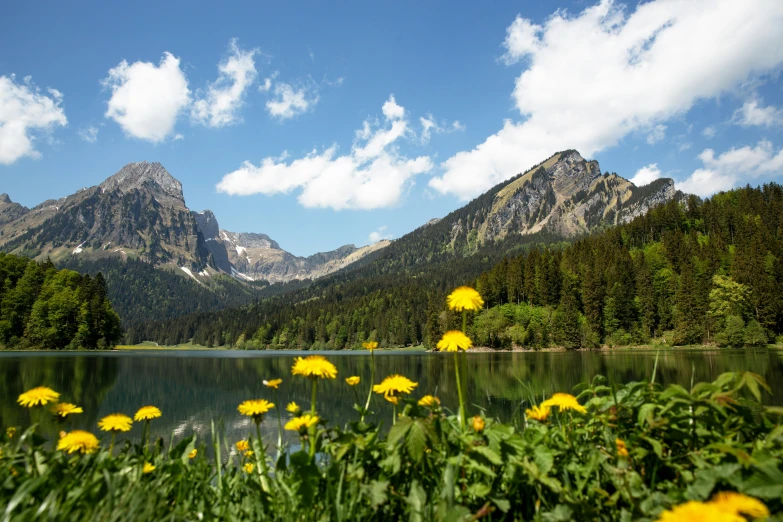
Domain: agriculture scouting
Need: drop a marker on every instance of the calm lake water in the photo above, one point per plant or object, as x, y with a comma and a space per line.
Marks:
194, 388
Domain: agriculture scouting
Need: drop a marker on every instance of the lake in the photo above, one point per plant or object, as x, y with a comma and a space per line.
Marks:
194, 388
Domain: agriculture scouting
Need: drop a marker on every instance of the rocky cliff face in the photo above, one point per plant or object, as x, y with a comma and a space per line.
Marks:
10, 211
565, 195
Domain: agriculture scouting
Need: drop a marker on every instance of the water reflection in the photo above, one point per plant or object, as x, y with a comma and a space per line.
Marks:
195, 388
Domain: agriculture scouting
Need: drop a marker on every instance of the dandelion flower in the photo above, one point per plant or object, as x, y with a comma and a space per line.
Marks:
148, 468
64, 409
739, 504
192, 454
78, 440
249, 467
453, 341
147, 413
478, 424
115, 422
242, 445
693, 511
393, 385
564, 401
370, 345
293, 408
314, 366
38, 396
429, 401
301, 424
464, 298
255, 408
274, 383
10, 432
622, 449
539, 413
353, 381
249, 453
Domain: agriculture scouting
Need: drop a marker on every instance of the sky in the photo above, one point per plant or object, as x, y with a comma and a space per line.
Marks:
324, 124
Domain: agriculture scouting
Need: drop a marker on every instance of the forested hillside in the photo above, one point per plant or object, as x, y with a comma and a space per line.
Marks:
701, 272
690, 272
43, 307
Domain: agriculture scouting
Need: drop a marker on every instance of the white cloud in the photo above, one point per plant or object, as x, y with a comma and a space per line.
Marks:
391, 110
379, 234
709, 132
658, 134
267, 85
646, 175
89, 134
429, 125
146, 99
752, 113
373, 175
24, 109
289, 102
178, 137
595, 77
218, 106
733, 167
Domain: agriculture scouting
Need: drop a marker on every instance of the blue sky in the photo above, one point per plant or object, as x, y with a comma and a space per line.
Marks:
325, 124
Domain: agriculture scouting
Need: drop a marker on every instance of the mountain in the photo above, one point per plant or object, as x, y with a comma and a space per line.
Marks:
140, 212
395, 295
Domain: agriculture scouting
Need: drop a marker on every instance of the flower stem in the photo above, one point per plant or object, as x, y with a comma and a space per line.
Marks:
261, 459
279, 427
394, 414
111, 446
314, 428
459, 391
372, 381
144, 434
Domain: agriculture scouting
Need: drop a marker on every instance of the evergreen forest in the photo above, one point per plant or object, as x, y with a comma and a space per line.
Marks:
45, 307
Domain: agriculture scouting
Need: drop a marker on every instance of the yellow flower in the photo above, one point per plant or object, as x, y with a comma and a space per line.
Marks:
370, 345
314, 366
78, 440
64, 409
248, 467
115, 422
242, 445
464, 298
249, 453
148, 468
353, 381
478, 424
192, 454
622, 449
564, 401
10, 432
274, 383
40, 395
255, 408
146, 413
301, 424
394, 385
739, 504
453, 341
293, 408
693, 511
429, 401
539, 413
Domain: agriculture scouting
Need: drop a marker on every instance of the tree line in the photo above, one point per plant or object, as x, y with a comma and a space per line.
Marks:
43, 307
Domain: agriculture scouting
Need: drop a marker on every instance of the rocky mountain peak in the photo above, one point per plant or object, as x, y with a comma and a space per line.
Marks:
4, 198
147, 176
207, 224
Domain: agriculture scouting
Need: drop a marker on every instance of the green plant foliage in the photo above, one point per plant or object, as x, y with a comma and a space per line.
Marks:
43, 307
682, 445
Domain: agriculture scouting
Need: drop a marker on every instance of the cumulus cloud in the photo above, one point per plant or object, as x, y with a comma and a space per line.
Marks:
379, 234
753, 113
734, 167
373, 175
391, 110
429, 125
289, 102
25, 109
147, 99
594, 77
219, 105
646, 175
89, 134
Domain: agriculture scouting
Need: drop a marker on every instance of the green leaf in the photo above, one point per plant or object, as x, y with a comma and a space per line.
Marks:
488, 454
419, 435
656, 446
479, 490
646, 413
417, 499
376, 491
544, 460
503, 504
398, 431
561, 513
